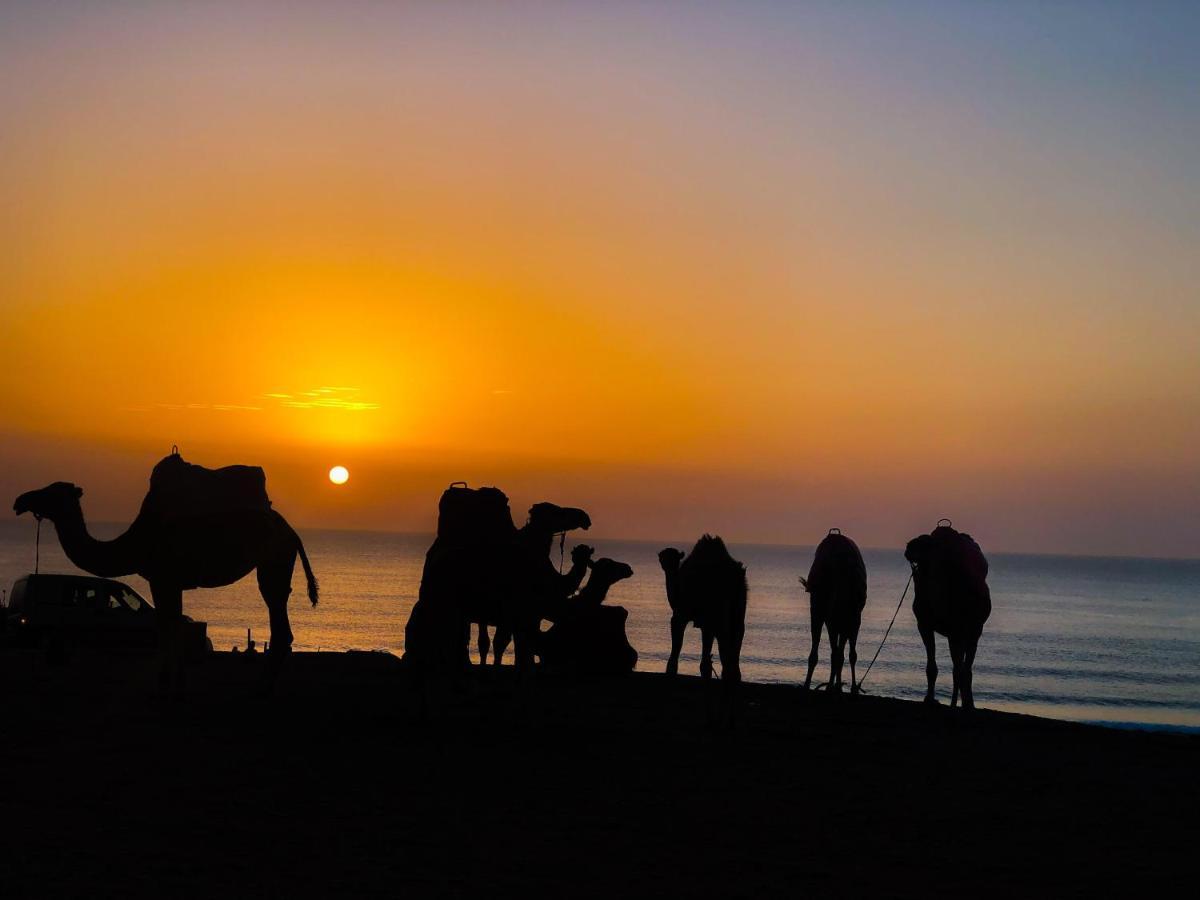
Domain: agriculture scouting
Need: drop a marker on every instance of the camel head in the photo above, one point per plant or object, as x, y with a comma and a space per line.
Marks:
552, 518
50, 502
669, 559
608, 571
918, 551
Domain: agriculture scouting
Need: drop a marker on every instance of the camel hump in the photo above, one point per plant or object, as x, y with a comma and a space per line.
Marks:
838, 564
180, 489
474, 516
951, 578
961, 552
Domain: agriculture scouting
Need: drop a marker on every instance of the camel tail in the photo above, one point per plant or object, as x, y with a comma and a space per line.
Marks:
313, 588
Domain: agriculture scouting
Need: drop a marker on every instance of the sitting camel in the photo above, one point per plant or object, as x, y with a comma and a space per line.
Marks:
707, 588
837, 588
588, 637
175, 554
581, 555
950, 597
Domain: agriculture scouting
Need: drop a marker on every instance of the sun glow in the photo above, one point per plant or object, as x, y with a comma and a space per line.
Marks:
339, 474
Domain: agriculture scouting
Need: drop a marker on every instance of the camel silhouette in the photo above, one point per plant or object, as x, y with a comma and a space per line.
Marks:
950, 597
177, 554
709, 589
837, 589
481, 568
588, 637
581, 555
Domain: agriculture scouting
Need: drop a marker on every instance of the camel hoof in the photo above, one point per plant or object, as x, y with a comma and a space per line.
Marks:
931, 700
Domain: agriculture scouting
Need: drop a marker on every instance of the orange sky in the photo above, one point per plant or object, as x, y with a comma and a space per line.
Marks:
706, 276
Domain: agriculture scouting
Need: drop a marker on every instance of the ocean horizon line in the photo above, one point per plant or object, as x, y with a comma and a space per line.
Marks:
781, 545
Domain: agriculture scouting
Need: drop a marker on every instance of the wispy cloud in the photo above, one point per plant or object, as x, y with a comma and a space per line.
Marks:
220, 407
323, 398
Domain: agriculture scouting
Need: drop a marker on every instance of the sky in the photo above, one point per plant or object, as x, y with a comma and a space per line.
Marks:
755, 269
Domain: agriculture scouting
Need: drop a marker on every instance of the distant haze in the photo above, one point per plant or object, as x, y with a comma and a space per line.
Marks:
755, 269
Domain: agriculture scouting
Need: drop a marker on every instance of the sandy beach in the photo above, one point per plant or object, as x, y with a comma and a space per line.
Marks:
605, 788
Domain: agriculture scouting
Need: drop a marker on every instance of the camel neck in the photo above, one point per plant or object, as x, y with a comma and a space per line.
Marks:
107, 559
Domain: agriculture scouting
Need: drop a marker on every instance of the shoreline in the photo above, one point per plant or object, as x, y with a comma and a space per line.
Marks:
334, 785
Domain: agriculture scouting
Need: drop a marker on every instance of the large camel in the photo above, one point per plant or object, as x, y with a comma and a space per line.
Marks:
581, 557
950, 597
837, 589
708, 588
177, 554
481, 568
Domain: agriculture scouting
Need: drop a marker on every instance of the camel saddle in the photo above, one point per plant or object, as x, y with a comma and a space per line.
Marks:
474, 516
181, 490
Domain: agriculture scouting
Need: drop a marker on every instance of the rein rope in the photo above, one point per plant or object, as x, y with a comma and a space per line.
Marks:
879, 649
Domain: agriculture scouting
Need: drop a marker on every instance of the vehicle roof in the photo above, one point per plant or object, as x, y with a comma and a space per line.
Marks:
87, 579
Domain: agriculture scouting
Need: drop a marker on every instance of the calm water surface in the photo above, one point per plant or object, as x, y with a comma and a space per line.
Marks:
1109, 639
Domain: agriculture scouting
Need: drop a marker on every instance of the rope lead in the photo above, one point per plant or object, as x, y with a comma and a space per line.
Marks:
886, 633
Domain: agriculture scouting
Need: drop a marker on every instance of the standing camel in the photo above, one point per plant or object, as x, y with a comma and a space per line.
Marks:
708, 588
178, 553
581, 556
950, 597
837, 588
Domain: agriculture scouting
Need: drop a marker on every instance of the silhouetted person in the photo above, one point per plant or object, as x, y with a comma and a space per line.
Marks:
837, 590
710, 590
950, 597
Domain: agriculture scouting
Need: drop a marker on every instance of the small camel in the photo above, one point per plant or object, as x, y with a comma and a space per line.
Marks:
837, 588
588, 637
708, 588
176, 555
950, 597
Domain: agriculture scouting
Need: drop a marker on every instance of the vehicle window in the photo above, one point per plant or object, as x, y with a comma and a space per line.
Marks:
132, 600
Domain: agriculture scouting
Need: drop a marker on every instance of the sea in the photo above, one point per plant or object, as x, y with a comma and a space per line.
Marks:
1113, 640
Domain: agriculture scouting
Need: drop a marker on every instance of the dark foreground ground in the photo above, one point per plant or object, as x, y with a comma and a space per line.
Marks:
332, 787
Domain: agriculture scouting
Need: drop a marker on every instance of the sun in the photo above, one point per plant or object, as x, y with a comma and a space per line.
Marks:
339, 474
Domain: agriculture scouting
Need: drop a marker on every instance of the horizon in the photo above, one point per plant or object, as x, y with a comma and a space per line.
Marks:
587, 537
756, 272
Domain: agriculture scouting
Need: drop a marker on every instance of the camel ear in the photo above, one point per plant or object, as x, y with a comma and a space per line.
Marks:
78, 492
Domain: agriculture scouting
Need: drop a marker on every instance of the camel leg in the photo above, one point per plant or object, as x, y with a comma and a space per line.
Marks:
968, 674
813, 654
275, 585
525, 635
853, 659
500, 643
931, 669
730, 649
484, 643
168, 605
836, 643
958, 660
706, 668
678, 626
